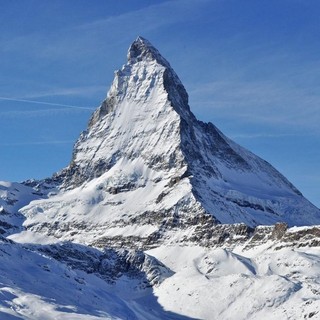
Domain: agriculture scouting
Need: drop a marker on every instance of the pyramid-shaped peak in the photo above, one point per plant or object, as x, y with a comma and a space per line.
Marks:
147, 166
143, 42
141, 49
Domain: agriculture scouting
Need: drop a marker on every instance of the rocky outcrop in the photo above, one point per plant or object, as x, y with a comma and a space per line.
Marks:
109, 264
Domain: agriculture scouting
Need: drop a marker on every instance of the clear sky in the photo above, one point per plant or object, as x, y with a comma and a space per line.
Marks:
250, 67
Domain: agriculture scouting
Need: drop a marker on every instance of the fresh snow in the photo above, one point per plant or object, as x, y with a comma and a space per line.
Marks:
206, 283
147, 175
36, 287
249, 284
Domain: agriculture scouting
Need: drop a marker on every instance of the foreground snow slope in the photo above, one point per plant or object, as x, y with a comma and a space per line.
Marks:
254, 279
36, 287
259, 283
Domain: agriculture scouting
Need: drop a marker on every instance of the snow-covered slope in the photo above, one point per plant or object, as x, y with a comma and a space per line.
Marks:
273, 275
14, 196
258, 283
156, 218
146, 166
35, 286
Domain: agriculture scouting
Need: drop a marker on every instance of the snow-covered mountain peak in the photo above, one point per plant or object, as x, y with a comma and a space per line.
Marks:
145, 70
140, 118
143, 53
157, 211
147, 171
142, 49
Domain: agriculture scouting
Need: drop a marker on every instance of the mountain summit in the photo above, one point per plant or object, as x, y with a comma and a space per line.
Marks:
141, 49
146, 170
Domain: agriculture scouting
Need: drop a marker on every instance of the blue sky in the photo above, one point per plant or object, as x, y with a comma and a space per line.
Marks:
250, 67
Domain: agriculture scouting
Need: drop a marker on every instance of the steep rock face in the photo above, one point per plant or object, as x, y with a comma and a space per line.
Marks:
147, 171
111, 264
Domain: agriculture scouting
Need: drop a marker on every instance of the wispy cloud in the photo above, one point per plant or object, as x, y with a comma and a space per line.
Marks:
74, 42
273, 102
46, 103
35, 143
51, 112
262, 135
41, 112
81, 91
150, 17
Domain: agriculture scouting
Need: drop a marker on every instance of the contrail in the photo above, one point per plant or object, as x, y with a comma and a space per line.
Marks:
14, 144
46, 103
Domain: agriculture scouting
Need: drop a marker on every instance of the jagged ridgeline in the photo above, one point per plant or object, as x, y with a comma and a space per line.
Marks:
146, 171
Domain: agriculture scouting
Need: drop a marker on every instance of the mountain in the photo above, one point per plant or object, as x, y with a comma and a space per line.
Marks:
146, 169
157, 216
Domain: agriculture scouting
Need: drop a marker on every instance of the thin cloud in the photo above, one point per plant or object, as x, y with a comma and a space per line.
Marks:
39, 113
262, 135
45, 103
64, 44
35, 143
82, 91
262, 102
149, 16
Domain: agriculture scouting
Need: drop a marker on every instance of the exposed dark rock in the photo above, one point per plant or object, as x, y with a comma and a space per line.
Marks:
279, 230
109, 264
